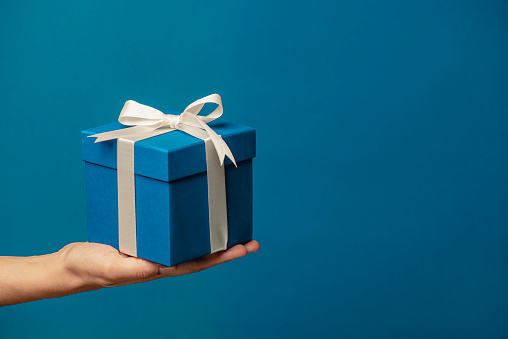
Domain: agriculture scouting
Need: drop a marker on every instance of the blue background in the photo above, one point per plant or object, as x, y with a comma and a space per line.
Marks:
381, 186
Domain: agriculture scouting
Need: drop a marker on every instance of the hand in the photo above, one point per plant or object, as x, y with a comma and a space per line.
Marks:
81, 267
99, 265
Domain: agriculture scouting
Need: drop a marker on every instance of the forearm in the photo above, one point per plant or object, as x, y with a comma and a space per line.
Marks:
25, 279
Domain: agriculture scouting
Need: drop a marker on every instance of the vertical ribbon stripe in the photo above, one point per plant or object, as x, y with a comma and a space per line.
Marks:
126, 197
217, 208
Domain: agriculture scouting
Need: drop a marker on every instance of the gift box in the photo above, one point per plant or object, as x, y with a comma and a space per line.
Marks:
172, 200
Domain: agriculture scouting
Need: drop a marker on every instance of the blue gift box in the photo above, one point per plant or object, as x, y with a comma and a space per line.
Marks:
172, 217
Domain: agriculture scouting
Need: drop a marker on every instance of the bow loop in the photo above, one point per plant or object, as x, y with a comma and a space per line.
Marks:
197, 105
136, 114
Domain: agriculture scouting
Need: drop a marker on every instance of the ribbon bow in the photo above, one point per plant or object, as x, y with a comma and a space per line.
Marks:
148, 121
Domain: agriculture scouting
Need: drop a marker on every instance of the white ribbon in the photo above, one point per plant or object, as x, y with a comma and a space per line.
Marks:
148, 122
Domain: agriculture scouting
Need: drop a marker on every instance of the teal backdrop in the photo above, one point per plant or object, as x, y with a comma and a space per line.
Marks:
381, 186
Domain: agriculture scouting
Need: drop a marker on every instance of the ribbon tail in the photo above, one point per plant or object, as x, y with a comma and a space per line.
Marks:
123, 133
195, 126
226, 150
220, 145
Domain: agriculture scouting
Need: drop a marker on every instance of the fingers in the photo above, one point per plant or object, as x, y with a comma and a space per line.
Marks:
205, 262
252, 246
232, 253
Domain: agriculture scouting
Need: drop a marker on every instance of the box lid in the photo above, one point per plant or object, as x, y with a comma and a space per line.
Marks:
169, 156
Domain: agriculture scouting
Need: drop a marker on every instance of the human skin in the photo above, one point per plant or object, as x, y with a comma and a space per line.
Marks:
84, 266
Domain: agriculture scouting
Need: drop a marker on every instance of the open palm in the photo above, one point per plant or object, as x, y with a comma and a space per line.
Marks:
103, 266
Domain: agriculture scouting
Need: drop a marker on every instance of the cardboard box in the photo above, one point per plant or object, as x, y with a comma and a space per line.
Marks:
172, 216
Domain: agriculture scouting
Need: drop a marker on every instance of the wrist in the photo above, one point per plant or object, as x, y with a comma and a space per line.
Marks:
25, 279
53, 278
